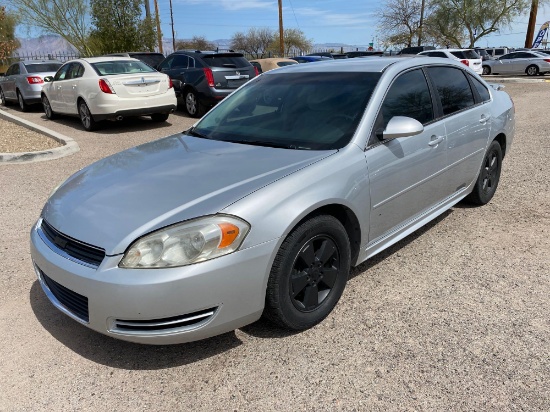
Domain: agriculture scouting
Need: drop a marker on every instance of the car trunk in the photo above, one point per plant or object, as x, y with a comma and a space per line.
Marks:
230, 70
138, 85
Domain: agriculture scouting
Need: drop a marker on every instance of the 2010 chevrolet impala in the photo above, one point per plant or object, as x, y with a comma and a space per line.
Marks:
263, 206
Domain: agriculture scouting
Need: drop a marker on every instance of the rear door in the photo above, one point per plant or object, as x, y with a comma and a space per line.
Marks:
69, 92
230, 70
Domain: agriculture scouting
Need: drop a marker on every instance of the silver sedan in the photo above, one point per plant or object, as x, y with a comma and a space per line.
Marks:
262, 207
24, 80
530, 63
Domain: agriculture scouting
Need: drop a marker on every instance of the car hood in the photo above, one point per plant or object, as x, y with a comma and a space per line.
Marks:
118, 199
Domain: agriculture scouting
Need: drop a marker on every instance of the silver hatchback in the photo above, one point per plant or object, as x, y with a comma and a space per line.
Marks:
24, 80
262, 207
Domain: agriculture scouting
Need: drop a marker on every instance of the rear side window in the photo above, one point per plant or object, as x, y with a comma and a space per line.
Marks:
465, 54
217, 60
453, 88
481, 89
42, 67
408, 96
435, 54
14, 69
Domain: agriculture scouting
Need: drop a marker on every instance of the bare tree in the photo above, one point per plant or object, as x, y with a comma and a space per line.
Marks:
66, 18
295, 42
399, 21
256, 42
196, 43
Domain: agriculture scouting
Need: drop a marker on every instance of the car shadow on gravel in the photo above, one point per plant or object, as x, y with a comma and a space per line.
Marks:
120, 354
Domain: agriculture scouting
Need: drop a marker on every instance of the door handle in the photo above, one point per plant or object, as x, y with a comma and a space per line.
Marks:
435, 140
484, 119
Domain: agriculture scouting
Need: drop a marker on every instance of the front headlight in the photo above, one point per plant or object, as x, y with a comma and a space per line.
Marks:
187, 243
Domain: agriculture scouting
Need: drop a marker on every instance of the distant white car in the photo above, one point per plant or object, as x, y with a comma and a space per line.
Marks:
468, 57
108, 88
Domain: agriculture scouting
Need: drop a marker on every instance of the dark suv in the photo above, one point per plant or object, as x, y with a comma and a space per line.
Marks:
204, 78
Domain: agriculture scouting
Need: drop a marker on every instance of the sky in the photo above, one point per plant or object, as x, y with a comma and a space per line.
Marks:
324, 21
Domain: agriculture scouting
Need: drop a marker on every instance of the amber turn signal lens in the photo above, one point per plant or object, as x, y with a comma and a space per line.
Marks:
229, 234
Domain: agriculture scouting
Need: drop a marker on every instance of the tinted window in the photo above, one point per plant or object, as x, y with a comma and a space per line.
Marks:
180, 62
220, 60
14, 69
408, 96
435, 54
318, 111
121, 67
42, 67
166, 63
150, 59
75, 71
453, 88
283, 64
481, 89
465, 54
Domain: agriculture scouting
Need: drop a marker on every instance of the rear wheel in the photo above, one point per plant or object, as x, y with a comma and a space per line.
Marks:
159, 117
192, 104
489, 176
3, 101
22, 103
309, 274
532, 70
50, 114
86, 118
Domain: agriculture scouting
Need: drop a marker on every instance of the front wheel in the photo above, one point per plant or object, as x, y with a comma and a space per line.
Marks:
486, 70
50, 114
86, 117
532, 71
3, 101
309, 274
489, 176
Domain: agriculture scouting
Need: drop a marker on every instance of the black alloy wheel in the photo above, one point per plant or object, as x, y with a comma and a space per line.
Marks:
489, 176
309, 274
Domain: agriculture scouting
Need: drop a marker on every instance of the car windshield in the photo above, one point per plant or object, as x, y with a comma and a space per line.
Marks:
150, 59
316, 111
42, 67
121, 67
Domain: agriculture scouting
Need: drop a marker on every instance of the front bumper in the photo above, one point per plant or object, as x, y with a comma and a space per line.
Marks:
156, 306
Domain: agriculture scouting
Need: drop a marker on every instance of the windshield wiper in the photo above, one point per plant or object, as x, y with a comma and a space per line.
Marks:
194, 133
267, 144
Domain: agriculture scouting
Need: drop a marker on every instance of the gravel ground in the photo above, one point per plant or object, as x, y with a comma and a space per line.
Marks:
455, 317
15, 139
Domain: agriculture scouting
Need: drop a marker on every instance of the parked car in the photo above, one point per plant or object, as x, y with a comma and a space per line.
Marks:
359, 53
23, 82
310, 59
543, 51
108, 88
204, 78
523, 62
497, 51
264, 65
468, 57
329, 55
415, 49
264, 205
151, 58
483, 53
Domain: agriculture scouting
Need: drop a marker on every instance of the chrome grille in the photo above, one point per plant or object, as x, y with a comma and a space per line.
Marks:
84, 252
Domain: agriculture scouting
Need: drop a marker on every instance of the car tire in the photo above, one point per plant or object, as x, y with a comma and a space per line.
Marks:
160, 117
486, 70
489, 176
309, 274
193, 106
3, 101
532, 70
48, 111
86, 117
22, 103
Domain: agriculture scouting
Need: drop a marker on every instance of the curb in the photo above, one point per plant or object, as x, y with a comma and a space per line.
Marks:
69, 145
496, 79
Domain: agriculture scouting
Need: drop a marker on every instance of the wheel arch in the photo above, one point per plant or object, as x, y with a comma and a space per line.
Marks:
501, 139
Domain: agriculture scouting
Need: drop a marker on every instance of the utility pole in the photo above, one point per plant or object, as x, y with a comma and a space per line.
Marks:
420, 26
147, 9
173, 35
159, 32
281, 38
531, 25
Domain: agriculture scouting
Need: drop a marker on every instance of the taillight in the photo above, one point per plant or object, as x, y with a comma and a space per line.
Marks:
547, 60
106, 87
170, 84
466, 62
209, 76
256, 71
34, 80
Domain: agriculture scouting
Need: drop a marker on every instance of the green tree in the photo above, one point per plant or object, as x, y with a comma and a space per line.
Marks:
463, 22
66, 18
196, 43
257, 42
118, 26
8, 41
295, 42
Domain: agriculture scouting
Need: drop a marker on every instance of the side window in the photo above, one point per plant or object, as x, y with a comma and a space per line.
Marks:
62, 72
166, 64
75, 71
481, 89
453, 88
438, 54
180, 62
409, 96
14, 69
191, 62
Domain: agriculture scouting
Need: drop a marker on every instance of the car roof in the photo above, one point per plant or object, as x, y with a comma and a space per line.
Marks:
39, 61
105, 59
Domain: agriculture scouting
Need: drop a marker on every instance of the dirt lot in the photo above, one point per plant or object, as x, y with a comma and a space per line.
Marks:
455, 317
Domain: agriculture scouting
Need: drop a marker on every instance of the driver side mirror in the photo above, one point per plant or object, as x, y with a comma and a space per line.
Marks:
401, 126
48, 79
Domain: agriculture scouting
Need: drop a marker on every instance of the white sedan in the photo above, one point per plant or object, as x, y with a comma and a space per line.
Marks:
108, 88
